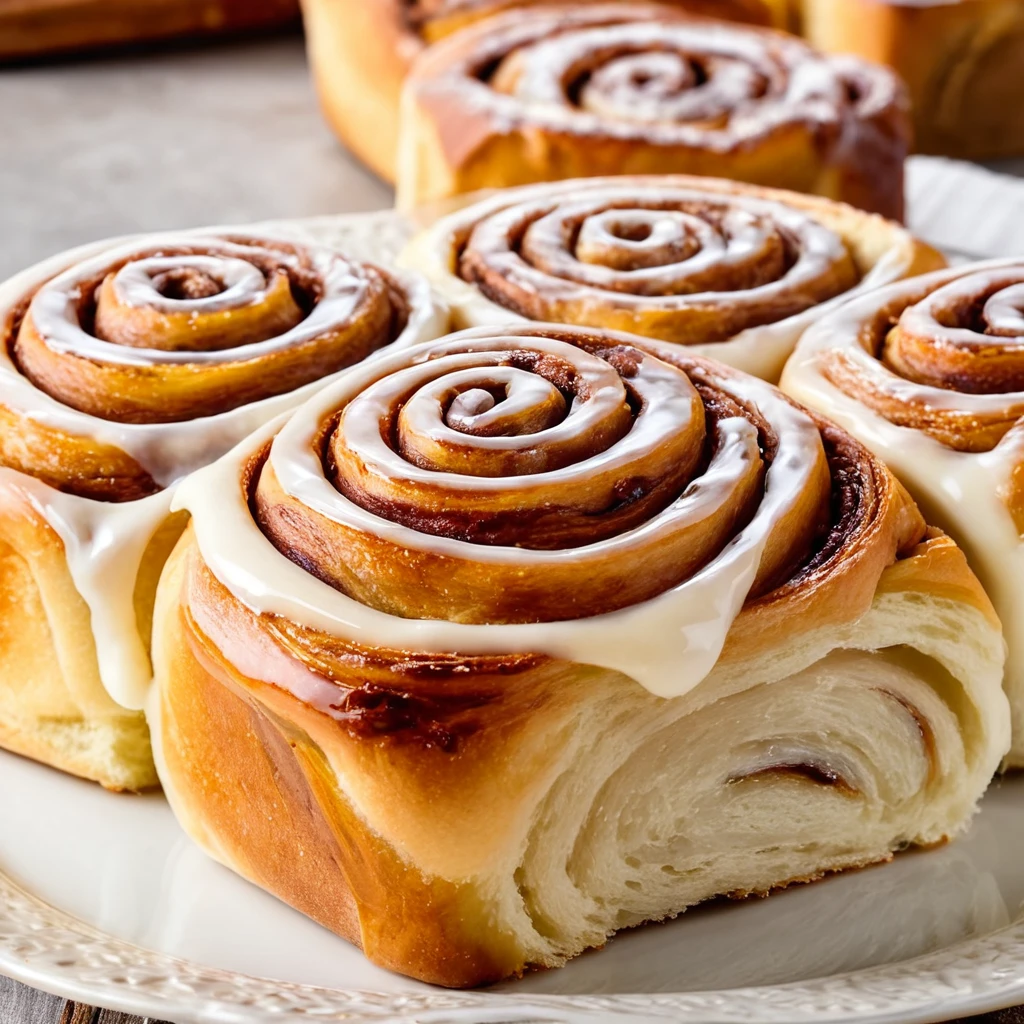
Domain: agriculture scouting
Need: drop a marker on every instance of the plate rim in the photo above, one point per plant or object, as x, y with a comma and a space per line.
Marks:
50, 949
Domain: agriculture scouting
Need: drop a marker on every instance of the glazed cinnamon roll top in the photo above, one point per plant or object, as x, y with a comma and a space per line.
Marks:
170, 333
540, 474
675, 263
713, 97
737, 270
943, 353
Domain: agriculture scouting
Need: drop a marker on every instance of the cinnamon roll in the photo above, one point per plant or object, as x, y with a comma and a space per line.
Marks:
361, 51
730, 270
123, 368
929, 373
962, 60
569, 91
29, 28
508, 641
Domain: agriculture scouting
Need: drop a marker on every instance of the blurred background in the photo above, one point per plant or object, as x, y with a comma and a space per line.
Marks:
214, 121
170, 134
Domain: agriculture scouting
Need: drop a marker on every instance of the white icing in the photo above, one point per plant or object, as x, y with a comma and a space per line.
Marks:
759, 83
958, 491
760, 350
668, 644
105, 541
53, 309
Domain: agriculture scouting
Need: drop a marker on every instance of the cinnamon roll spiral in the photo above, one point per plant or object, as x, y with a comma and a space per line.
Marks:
730, 270
124, 368
930, 374
571, 91
361, 51
507, 636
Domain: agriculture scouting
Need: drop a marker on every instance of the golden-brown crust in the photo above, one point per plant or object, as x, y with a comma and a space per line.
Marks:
230, 743
33, 27
467, 126
938, 564
962, 61
362, 50
339, 777
428, 740
114, 373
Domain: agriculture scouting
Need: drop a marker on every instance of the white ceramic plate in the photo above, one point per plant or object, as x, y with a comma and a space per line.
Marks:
103, 899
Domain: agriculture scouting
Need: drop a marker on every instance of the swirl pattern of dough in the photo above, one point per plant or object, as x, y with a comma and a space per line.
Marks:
124, 368
510, 640
731, 270
930, 374
578, 91
360, 52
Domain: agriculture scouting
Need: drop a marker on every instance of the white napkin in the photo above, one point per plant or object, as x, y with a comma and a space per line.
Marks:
964, 209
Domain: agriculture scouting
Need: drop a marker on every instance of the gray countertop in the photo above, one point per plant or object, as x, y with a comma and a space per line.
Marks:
179, 138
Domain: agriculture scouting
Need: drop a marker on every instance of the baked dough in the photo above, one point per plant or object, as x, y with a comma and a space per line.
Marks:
124, 367
634, 88
928, 373
361, 51
730, 270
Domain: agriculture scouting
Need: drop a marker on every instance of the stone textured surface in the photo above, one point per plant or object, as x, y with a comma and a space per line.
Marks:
166, 139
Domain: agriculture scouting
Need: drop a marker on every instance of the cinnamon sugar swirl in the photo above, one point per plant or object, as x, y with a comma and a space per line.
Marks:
729, 270
930, 374
362, 50
568, 91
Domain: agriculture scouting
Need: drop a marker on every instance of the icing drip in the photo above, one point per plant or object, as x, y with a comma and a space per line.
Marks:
177, 279
668, 642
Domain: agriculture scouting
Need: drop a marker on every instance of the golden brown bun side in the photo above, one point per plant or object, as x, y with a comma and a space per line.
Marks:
366, 685
53, 706
519, 99
34, 27
362, 50
401, 827
549, 252
963, 63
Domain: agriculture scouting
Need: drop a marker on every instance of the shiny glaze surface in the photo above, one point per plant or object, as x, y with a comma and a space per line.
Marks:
101, 463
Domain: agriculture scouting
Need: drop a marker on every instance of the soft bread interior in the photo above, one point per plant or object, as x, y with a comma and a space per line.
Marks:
589, 805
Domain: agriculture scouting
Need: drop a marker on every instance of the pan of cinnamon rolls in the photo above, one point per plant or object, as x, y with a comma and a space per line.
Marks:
484, 602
